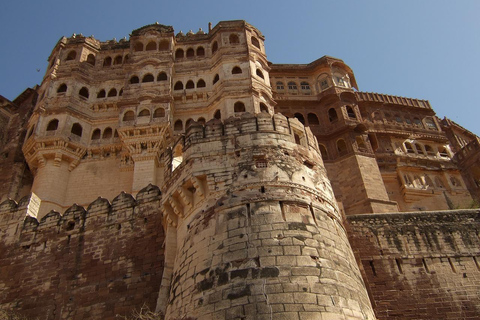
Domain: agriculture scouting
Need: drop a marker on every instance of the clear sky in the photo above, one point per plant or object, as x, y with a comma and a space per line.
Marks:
425, 49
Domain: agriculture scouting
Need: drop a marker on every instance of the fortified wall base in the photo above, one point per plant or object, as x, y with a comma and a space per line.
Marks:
86, 264
422, 265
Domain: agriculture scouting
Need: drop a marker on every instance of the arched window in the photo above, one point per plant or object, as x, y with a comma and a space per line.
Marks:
77, 129
151, 46
351, 113
144, 113
263, 107
323, 152
201, 121
332, 115
107, 133
429, 150
418, 148
455, 182
62, 88
201, 83
417, 122
96, 134
134, 79
83, 92
112, 92
362, 147
409, 148
216, 78
159, 113
217, 115
188, 123
91, 59
178, 85
417, 181
312, 119
71, 55
430, 124
442, 151
214, 47
233, 39
164, 45
280, 86
118, 60
190, 53
341, 147
52, 125
129, 116
439, 183
300, 117
236, 70
398, 118
255, 42
138, 47
428, 181
107, 62
200, 51
178, 125
190, 85
179, 54
260, 73
162, 76
148, 78
101, 94
292, 86
120, 93
238, 107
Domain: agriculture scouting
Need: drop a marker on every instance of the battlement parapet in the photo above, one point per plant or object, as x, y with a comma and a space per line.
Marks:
248, 124
15, 222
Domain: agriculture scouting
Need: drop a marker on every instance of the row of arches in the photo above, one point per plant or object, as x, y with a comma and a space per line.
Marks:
130, 115
189, 85
342, 149
118, 60
162, 76
52, 127
416, 148
108, 133
425, 181
84, 92
162, 45
293, 87
403, 119
72, 55
190, 53
312, 118
238, 108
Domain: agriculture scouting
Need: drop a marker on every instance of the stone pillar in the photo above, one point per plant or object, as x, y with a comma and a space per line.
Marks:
144, 172
49, 187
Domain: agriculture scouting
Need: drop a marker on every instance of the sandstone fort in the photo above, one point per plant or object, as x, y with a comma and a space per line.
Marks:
188, 173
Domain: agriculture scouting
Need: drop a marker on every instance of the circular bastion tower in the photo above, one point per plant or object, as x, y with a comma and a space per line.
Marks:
253, 229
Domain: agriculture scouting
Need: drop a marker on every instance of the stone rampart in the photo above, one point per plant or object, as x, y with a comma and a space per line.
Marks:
420, 265
89, 263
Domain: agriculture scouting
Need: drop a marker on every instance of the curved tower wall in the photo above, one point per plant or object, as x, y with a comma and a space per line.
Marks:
258, 232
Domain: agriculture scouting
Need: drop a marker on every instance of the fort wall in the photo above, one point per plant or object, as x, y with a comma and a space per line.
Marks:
419, 265
89, 263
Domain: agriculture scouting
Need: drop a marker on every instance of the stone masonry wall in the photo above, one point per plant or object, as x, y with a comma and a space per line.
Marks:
422, 265
86, 264
261, 237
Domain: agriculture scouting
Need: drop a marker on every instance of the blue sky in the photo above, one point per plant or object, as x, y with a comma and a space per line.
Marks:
425, 49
